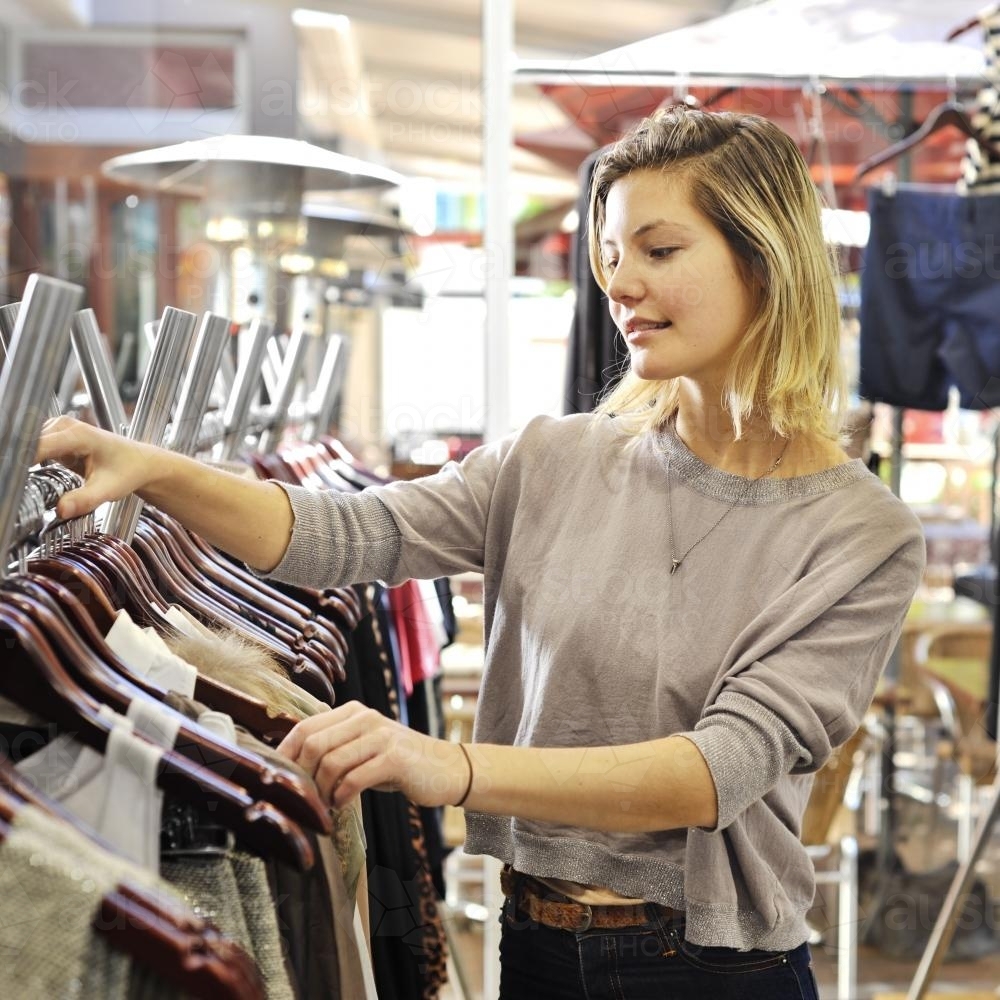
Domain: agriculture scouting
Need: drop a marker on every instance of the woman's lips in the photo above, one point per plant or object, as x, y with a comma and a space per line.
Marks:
645, 332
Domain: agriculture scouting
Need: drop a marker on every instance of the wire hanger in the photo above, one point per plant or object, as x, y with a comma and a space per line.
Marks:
949, 113
973, 22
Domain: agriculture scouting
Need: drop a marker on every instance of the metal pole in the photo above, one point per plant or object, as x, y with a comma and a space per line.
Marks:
498, 239
498, 232
948, 916
63, 399
224, 380
105, 401
8, 320
39, 340
242, 395
197, 387
152, 410
331, 377
294, 357
271, 368
127, 351
8, 323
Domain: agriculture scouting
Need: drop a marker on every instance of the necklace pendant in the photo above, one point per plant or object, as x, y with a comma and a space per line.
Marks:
675, 566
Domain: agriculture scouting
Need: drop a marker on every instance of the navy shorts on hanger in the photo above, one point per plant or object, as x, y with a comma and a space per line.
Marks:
930, 300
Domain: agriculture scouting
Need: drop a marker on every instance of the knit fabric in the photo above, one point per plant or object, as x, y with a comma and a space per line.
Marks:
52, 880
764, 649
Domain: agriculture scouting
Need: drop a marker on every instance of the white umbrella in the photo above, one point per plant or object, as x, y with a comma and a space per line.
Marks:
792, 42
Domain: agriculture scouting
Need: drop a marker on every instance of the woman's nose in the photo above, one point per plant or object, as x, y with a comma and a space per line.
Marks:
625, 284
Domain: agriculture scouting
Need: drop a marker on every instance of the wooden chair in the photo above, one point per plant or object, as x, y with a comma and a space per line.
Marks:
836, 796
952, 662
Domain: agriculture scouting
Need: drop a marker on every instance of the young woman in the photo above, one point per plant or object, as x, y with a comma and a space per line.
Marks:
690, 595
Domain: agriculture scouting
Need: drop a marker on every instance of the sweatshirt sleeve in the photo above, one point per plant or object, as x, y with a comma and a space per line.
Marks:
808, 671
417, 529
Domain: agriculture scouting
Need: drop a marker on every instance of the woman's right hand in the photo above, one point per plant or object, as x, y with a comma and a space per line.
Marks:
112, 466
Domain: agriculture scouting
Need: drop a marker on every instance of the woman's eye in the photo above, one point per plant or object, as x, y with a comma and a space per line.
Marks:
661, 253
611, 264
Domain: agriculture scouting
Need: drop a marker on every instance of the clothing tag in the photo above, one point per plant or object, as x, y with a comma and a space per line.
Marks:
218, 723
158, 725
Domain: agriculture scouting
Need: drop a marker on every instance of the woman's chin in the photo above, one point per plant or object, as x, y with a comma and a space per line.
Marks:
649, 371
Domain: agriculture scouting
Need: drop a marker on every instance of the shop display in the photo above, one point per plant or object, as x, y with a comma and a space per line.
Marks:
142, 725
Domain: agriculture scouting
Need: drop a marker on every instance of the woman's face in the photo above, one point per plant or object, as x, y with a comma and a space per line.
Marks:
675, 287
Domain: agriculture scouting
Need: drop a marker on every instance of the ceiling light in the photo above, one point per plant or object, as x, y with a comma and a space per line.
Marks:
304, 17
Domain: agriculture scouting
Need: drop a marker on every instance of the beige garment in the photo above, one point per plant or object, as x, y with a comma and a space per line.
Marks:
353, 955
242, 665
52, 879
245, 667
146, 654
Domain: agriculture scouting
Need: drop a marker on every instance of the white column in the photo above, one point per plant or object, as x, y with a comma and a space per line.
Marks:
498, 229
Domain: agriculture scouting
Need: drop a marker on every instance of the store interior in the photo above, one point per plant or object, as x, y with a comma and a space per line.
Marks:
341, 245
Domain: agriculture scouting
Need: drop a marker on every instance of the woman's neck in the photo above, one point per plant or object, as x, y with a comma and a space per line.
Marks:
708, 432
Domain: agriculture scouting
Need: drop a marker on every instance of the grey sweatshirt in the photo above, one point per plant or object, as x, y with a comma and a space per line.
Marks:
764, 649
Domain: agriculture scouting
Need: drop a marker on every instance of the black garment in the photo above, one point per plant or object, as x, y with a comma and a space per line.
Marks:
426, 715
597, 354
305, 923
443, 587
407, 936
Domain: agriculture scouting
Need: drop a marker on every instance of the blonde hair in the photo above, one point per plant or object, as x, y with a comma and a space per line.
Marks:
749, 179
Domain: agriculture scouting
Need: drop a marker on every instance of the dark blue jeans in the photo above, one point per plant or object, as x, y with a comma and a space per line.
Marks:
649, 962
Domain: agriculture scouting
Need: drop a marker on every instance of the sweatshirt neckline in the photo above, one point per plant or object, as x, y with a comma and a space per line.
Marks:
739, 490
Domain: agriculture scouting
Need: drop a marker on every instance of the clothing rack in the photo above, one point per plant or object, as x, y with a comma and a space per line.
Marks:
244, 387
152, 410
98, 377
39, 339
198, 382
291, 366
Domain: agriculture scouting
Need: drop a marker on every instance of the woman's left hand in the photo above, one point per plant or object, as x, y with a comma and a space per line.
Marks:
352, 748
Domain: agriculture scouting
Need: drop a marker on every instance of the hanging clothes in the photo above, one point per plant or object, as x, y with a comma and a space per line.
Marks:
981, 168
597, 352
930, 300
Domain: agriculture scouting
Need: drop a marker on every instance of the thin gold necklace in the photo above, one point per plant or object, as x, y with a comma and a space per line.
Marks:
676, 563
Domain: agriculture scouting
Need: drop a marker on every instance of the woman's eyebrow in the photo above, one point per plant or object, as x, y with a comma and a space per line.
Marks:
646, 227
677, 228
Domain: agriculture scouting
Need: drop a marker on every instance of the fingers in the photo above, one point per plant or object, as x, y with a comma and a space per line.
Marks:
372, 773
291, 745
103, 460
339, 767
349, 749
82, 501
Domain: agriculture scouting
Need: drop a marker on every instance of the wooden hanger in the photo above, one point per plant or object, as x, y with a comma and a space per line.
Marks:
35, 678
180, 948
289, 634
174, 943
99, 671
255, 598
947, 114
250, 713
304, 665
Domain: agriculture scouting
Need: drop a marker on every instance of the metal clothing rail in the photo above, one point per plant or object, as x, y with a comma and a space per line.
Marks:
39, 339
323, 399
8, 322
247, 376
156, 397
198, 382
295, 357
98, 377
